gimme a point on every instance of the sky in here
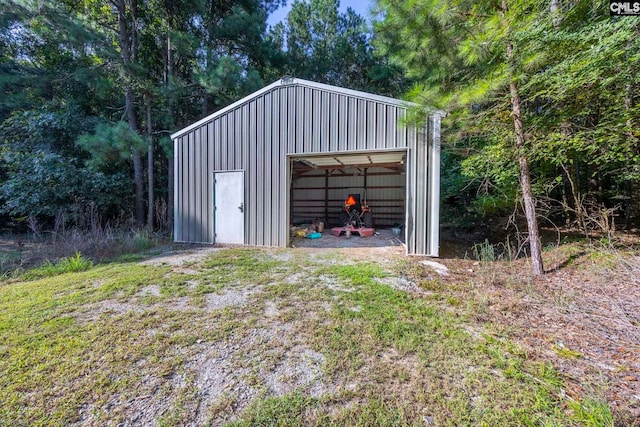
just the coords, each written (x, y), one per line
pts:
(360, 6)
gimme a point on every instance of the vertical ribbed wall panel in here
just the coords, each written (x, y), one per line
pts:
(289, 111)
(182, 194)
(190, 196)
(370, 139)
(230, 141)
(433, 236)
(185, 194)
(265, 177)
(197, 200)
(245, 136)
(421, 190)
(287, 105)
(209, 178)
(252, 169)
(177, 190)
(390, 125)
(410, 233)
(197, 173)
(298, 121)
(200, 183)
(271, 181)
(343, 120)
(334, 124)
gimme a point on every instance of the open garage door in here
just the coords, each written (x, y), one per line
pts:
(320, 184)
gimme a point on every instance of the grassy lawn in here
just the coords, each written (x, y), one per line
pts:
(252, 337)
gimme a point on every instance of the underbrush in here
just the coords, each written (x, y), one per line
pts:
(55, 253)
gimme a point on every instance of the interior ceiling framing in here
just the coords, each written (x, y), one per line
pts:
(391, 160)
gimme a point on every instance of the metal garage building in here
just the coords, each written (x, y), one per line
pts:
(291, 152)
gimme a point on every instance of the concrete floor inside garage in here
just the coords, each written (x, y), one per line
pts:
(382, 238)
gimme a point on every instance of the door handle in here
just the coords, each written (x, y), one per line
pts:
(241, 207)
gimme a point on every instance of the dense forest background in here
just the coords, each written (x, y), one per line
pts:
(541, 99)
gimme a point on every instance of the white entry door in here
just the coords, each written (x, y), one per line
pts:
(228, 206)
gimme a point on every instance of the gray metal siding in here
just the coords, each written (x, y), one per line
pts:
(257, 136)
(433, 232)
(420, 196)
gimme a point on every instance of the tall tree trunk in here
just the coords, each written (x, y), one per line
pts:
(169, 84)
(150, 201)
(523, 163)
(525, 182)
(128, 48)
(138, 174)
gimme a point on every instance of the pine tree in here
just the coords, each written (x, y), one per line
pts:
(468, 56)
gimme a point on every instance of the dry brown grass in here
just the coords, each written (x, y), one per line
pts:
(21, 252)
(583, 315)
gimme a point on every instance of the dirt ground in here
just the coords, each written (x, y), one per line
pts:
(583, 316)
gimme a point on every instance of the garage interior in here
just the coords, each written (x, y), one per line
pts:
(320, 185)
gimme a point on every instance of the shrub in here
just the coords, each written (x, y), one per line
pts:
(70, 264)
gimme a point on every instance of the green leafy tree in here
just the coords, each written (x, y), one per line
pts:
(110, 145)
(47, 185)
(322, 44)
(586, 100)
(551, 88)
(48, 55)
(469, 54)
(64, 62)
(41, 177)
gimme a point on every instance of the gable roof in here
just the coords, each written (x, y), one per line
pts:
(291, 81)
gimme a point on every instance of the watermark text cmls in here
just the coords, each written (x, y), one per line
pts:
(624, 8)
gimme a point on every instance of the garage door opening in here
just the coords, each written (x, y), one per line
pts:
(322, 184)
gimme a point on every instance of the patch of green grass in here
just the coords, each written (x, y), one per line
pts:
(242, 265)
(376, 411)
(409, 267)
(566, 352)
(130, 257)
(432, 285)
(592, 412)
(454, 301)
(282, 411)
(71, 264)
(90, 338)
(280, 290)
(361, 274)
(412, 357)
(602, 257)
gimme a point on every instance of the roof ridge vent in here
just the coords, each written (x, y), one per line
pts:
(287, 80)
